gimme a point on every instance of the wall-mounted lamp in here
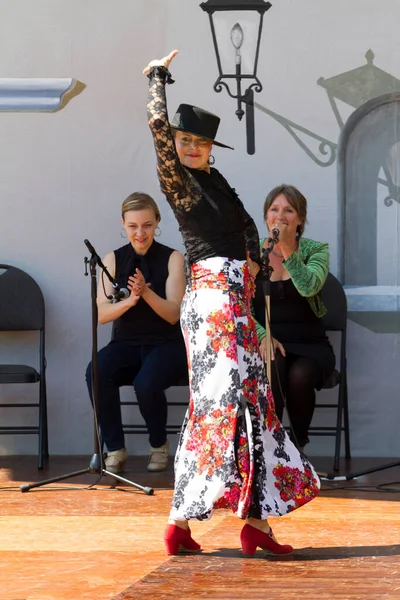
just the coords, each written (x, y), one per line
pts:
(237, 38)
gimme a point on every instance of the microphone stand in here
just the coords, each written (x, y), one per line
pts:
(119, 292)
(266, 271)
(333, 477)
(96, 465)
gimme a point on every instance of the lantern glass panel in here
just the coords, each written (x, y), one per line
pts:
(224, 23)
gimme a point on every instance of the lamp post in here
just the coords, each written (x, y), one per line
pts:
(236, 37)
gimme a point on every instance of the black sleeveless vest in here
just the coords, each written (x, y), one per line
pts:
(141, 324)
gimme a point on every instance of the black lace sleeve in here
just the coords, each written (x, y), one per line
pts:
(251, 232)
(181, 190)
(251, 235)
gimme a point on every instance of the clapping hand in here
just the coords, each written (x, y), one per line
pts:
(160, 62)
(137, 283)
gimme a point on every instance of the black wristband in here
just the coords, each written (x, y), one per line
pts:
(161, 72)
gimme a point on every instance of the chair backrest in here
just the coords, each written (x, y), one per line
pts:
(21, 301)
(335, 301)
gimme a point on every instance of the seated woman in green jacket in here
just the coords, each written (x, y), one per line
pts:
(301, 350)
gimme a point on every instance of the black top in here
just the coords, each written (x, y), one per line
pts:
(215, 226)
(141, 324)
(294, 324)
(212, 219)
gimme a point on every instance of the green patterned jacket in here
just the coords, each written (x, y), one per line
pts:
(308, 269)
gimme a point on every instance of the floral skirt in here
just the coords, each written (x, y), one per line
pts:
(233, 451)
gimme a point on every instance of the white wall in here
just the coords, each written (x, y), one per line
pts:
(63, 176)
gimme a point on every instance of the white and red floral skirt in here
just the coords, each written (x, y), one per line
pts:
(233, 451)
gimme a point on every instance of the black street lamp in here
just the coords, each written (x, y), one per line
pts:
(237, 38)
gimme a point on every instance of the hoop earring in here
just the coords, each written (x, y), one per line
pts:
(211, 160)
(159, 231)
(122, 234)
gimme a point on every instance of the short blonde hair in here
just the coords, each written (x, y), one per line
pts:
(140, 201)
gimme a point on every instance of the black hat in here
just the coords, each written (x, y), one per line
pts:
(197, 121)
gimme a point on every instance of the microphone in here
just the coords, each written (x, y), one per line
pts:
(121, 294)
(275, 233)
(99, 261)
(92, 251)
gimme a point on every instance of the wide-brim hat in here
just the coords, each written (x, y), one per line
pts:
(197, 121)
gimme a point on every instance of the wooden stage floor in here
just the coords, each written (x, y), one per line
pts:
(65, 541)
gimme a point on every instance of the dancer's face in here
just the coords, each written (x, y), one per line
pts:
(193, 151)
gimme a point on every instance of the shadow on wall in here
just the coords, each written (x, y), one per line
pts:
(368, 167)
(368, 199)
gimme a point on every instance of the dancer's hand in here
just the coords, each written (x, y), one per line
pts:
(161, 62)
(253, 266)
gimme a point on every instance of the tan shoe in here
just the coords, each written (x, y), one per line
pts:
(116, 460)
(158, 459)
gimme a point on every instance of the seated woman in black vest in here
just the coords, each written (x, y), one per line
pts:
(147, 347)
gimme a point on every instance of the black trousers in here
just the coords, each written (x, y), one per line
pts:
(151, 370)
(293, 381)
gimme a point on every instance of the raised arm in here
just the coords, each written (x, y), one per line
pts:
(181, 192)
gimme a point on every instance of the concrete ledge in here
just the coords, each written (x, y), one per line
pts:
(379, 298)
(34, 94)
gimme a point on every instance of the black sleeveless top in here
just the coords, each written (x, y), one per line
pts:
(140, 324)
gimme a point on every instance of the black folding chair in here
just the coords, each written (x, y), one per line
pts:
(336, 320)
(22, 309)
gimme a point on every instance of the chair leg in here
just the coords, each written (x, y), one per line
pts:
(346, 420)
(338, 437)
(43, 450)
(46, 431)
(41, 415)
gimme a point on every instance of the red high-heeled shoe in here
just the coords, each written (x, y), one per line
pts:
(177, 539)
(250, 538)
